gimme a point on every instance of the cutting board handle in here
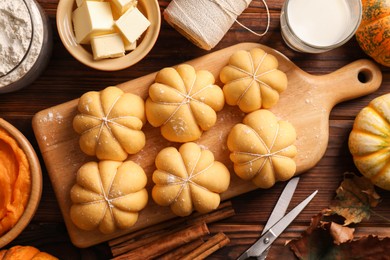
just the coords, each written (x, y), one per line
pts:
(356, 79)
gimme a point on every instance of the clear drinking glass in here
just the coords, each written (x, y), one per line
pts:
(315, 26)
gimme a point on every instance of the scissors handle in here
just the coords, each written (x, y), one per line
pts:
(267, 240)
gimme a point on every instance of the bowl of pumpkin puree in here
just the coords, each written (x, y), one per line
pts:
(20, 182)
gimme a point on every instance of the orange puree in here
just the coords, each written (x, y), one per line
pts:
(15, 182)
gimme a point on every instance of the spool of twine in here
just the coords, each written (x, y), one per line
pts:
(205, 22)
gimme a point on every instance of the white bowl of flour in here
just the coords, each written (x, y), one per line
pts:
(25, 43)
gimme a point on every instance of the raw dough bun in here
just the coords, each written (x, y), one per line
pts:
(183, 102)
(108, 195)
(110, 123)
(189, 179)
(252, 80)
(25, 253)
(262, 149)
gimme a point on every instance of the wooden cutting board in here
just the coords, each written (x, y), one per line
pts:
(306, 104)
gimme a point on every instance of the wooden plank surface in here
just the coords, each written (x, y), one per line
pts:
(66, 79)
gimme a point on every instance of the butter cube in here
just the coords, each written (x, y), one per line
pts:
(116, 13)
(90, 19)
(107, 46)
(123, 5)
(132, 24)
(129, 46)
(80, 2)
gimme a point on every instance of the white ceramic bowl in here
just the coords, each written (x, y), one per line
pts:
(150, 8)
(36, 183)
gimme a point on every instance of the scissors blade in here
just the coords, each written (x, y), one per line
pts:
(280, 208)
(278, 211)
(269, 237)
(282, 204)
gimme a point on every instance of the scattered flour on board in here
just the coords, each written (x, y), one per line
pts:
(52, 116)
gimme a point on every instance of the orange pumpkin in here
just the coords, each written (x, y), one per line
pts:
(373, 34)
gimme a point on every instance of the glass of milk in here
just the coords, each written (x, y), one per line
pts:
(315, 26)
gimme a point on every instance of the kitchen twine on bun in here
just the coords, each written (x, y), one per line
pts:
(205, 22)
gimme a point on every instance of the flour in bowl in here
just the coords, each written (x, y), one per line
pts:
(16, 34)
(25, 43)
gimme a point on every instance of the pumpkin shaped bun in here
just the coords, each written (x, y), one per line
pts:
(262, 149)
(369, 141)
(110, 123)
(108, 195)
(25, 253)
(183, 103)
(189, 179)
(252, 80)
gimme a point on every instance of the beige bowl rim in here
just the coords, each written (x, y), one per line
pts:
(65, 31)
(36, 183)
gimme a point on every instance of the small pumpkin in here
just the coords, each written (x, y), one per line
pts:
(369, 141)
(373, 34)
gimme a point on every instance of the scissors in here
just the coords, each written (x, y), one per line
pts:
(277, 222)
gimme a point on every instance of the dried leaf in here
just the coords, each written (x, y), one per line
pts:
(340, 234)
(313, 242)
(367, 248)
(355, 198)
(326, 241)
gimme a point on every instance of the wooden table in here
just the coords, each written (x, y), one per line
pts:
(66, 79)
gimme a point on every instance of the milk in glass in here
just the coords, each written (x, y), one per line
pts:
(317, 25)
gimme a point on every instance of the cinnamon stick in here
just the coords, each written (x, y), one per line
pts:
(213, 216)
(128, 238)
(164, 245)
(135, 243)
(207, 248)
(224, 210)
(213, 249)
(178, 253)
(142, 237)
(235, 228)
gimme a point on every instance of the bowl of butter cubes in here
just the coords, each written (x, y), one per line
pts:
(108, 35)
